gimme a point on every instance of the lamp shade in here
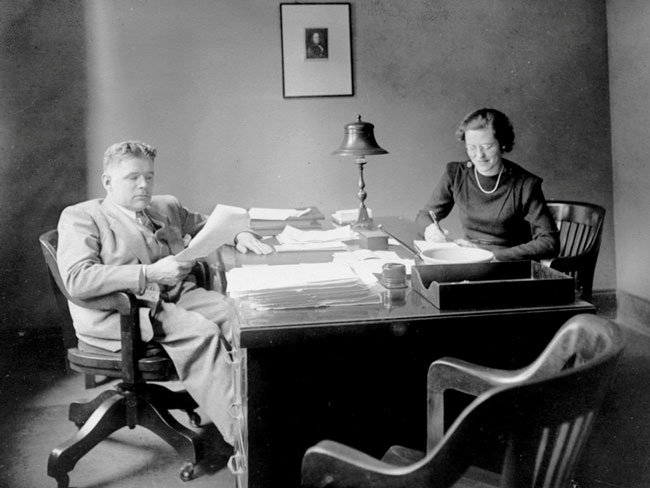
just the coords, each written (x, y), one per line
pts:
(359, 140)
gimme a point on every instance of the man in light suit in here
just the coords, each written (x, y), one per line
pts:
(104, 248)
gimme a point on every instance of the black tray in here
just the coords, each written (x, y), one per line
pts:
(492, 285)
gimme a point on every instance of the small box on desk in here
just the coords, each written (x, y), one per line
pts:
(375, 240)
(492, 285)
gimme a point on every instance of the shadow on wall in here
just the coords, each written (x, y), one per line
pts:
(43, 104)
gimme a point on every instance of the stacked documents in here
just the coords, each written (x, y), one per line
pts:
(292, 286)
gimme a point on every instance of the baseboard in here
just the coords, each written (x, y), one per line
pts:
(633, 309)
(606, 303)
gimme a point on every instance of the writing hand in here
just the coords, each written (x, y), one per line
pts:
(168, 271)
(248, 242)
(435, 233)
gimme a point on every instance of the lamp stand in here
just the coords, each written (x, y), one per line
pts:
(363, 221)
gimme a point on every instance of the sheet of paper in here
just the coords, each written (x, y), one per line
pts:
(309, 246)
(292, 235)
(276, 213)
(363, 254)
(422, 245)
(222, 225)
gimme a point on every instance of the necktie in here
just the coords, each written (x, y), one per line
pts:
(144, 220)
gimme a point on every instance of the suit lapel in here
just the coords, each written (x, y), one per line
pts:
(127, 230)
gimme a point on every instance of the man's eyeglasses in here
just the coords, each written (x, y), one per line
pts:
(485, 148)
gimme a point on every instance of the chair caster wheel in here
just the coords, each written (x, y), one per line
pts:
(195, 419)
(187, 472)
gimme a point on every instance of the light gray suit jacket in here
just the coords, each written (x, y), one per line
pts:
(101, 250)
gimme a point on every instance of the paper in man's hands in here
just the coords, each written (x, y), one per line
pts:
(221, 227)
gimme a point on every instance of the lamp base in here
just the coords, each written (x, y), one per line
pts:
(364, 221)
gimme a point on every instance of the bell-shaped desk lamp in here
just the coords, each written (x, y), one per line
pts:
(359, 141)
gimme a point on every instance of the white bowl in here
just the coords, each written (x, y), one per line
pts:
(449, 255)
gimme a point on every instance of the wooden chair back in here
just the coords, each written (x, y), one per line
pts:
(543, 422)
(580, 225)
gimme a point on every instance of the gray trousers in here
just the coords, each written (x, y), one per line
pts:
(192, 328)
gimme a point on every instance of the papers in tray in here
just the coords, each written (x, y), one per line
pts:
(294, 286)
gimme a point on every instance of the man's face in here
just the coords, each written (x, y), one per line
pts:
(315, 38)
(129, 183)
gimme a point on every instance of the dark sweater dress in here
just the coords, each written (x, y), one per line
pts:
(514, 222)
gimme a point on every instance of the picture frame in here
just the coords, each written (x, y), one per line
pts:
(316, 50)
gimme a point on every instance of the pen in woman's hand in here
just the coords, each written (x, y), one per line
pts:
(435, 222)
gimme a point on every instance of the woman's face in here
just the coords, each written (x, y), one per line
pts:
(484, 151)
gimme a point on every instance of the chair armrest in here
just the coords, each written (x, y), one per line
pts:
(570, 263)
(456, 374)
(118, 301)
(340, 465)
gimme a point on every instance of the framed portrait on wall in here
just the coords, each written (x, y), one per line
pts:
(316, 50)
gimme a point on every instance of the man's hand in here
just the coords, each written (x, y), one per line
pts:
(435, 233)
(248, 242)
(168, 271)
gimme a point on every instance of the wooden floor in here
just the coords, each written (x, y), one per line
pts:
(35, 391)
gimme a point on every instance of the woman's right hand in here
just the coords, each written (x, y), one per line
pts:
(435, 233)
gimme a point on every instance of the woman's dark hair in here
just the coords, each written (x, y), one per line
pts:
(489, 118)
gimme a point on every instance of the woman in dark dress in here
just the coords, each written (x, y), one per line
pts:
(502, 206)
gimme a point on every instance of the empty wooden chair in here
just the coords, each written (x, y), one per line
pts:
(539, 416)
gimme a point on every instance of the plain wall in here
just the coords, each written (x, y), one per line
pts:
(629, 47)
(42, 146)
(202, 80)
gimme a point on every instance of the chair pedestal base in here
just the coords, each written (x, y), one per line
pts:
(146, 405)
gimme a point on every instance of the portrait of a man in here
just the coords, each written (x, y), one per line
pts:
(316, 43)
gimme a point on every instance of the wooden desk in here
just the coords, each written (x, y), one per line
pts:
(358, 374)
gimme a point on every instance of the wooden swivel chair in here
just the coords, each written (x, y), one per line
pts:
(133, 401)
(539, 416)
(581, 226)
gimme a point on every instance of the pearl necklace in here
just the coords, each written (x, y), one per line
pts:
(495, 186)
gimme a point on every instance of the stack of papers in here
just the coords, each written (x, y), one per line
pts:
(293, 286)
(292, 239)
